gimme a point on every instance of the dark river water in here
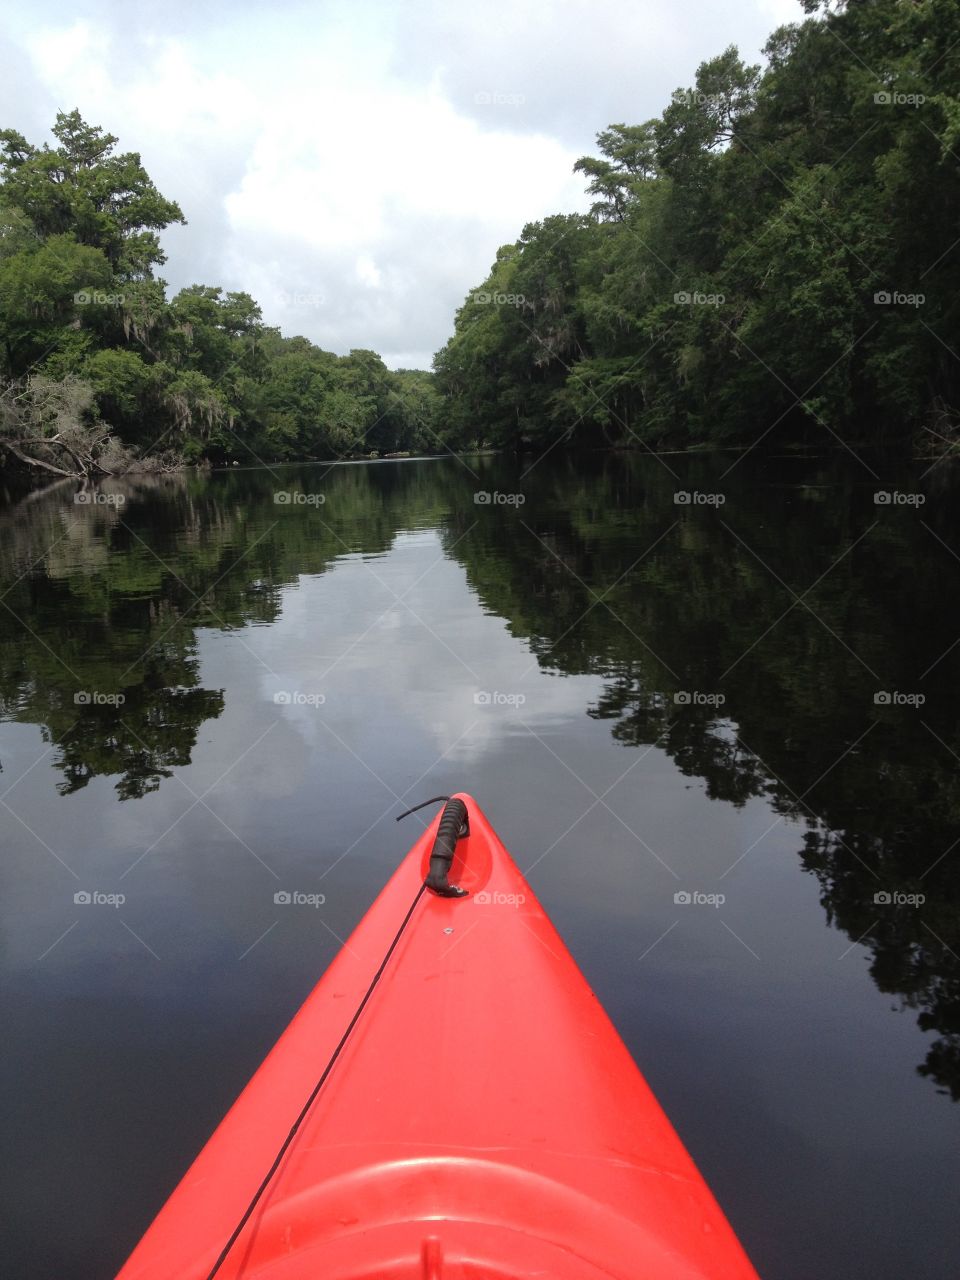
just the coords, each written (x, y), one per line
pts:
(721, 739)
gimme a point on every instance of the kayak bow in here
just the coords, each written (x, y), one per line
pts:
(451, 1102)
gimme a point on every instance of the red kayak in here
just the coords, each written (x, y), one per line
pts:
(450, 1103)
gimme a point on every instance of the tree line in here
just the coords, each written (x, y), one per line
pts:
(100, 371)
(775, 257)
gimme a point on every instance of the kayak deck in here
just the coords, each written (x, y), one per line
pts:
(483, 1119)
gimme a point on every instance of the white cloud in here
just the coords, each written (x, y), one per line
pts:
(781, 12)
(431, 677)
(58, 51)
(355, 168)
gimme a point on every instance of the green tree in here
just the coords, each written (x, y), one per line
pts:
(80, 187)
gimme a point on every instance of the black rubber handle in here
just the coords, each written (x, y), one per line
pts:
(453, 824)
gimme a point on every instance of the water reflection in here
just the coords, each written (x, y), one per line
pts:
(818, 621)
(770, 645)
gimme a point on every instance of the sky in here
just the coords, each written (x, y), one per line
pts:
(355, 165)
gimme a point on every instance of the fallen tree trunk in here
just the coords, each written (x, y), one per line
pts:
(48, 424)
(17, 452)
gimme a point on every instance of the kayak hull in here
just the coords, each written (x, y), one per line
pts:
(483, 1119)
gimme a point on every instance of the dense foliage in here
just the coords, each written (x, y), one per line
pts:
(98, 366)
(777, 253)
(774, 258)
